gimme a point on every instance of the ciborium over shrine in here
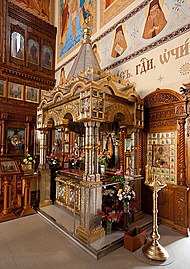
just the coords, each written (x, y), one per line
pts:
(153, 249)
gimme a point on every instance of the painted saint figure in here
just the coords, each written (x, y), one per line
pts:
(17, 46)
(47, 57)
(85, 9)
(155, 21)
(65, 21)
(95, 49)
(62, 76)
(74, 9)
(33, 51)
(120, 44)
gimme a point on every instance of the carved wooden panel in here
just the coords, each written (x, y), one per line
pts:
(166, 203)
(161, 98)
(166, 113)
(16, 24)
(181, 203)
(13, 19)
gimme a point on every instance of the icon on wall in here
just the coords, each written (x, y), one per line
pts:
(2, 88)
(32, 94)
(17, 46)
(15, 91)
(47, 57)
(15, 141)
(33, 51)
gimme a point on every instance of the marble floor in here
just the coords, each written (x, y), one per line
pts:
(70, 223)
(31, 242)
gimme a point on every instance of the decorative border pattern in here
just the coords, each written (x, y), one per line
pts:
(137, 53)
(153, 45)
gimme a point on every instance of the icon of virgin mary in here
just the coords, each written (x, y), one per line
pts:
(155, 21)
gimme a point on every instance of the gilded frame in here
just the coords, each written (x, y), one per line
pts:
(15, 91)
(2, 88)
(32, 94)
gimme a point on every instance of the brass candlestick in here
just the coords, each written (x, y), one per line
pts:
(153, 250)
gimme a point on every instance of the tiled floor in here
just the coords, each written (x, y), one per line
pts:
(32, 243)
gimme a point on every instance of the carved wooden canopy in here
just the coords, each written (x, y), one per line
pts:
(85, 100)
(91, 94)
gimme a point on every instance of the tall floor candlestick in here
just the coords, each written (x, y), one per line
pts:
(153, 249)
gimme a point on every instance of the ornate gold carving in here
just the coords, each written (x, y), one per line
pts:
(180, 110)
(73, 109)
(161, 124)
(121, 149)
(156, 98)
(112, 110)
(163, 114)
(89, 236)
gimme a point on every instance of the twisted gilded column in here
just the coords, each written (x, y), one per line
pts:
(181, 155)
(140, 151)
(121, 149)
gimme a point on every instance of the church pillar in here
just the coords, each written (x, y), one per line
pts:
(90, 228)
(42, 148)
(44, 172)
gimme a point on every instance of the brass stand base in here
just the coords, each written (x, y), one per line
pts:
(154, 251)
(89, 236)
(8, 216)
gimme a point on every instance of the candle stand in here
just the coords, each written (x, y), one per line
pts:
(153, 249)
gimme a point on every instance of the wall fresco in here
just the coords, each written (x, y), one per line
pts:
(143, 33)
(111, 8)
(39, 8)
(153, 57)
(72, 15)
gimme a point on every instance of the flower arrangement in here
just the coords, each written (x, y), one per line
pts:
(109, 215)
(104, 158)
(28, 159)
(54, 162)
(127, 196)
(118, 177)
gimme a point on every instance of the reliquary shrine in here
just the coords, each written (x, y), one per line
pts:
(90, 113)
